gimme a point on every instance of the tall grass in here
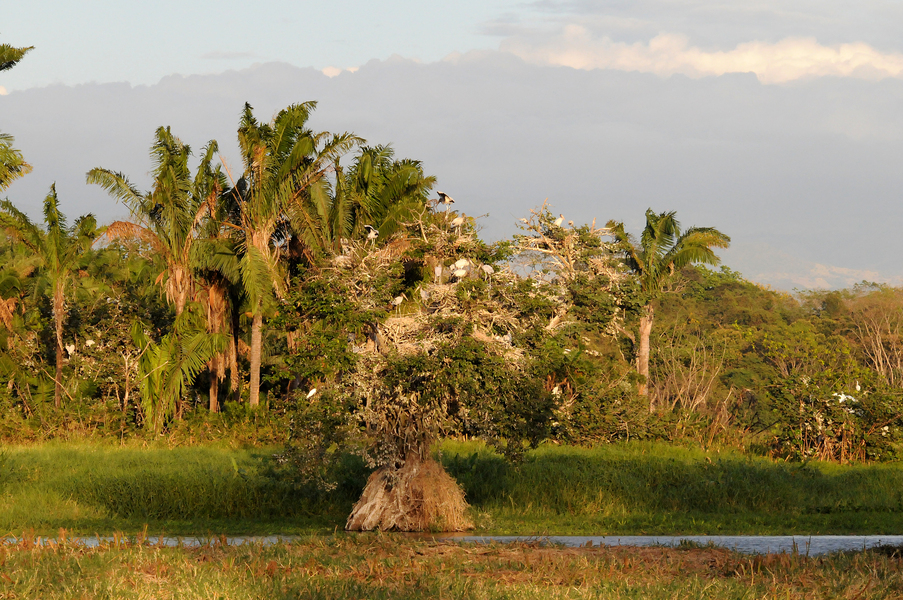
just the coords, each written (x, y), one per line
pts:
(90, 487)
(614, 489)
(657, 488)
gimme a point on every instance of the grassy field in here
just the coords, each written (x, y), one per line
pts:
(617, 489)
(386, 566)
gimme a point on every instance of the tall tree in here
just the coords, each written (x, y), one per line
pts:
(12, 165)
(167, 219)
(59, 250)
(662, 250)
(283, 160)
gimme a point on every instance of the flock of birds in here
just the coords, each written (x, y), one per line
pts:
(461, 268)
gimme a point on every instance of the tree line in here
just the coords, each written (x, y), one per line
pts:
(324, 287)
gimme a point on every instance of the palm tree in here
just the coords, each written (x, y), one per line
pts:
(283, 160)
(12, 165)
(59, 250)
(10, 55)
(663, 249)
(169, 367)
(378, 191)
(168, 218)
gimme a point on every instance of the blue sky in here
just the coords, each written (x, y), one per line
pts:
(778, 121)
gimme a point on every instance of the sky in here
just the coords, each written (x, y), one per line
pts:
(779, 122)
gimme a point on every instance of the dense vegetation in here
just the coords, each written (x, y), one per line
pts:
(321, 301)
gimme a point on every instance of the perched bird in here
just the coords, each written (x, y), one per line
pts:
(311, 393)
(445, 199)
(487, 269)
(460, 273)
(372, 232)
(559, 220)
(457, 222)
(462, 263)
(70, 348)
(570, 223)
(437, 271)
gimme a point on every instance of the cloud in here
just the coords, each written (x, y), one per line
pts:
(3, 91)
(811, 169)
(336, 71)
(221, 55)
(668, 54)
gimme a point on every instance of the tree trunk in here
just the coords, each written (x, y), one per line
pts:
(234, 379)
(256, 348)
(214, 388)
(642, 357)
(58, 307)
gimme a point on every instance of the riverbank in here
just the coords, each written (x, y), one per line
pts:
(391, 566)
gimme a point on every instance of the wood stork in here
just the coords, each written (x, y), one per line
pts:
(311, 393)
(372, 232)
(559, 220)
(445, 199)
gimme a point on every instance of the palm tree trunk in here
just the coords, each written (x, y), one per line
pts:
(234, 379)
(58, 307)
(214, 385)
(642, 357)
(256, 347)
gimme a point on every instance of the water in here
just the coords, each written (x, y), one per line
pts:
(748, 544)
(809, 545)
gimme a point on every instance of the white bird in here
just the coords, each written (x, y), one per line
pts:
(445, 199)
(397, 300)
(437, 271)
(373, 232)
(458, 221)
(570, 223)
(70, 348)
(311, 393)
(559, 220)
(460, 273)
(89, 343)
(487, 269)
(462, 263)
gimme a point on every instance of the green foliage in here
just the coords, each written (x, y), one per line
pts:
(167, 368)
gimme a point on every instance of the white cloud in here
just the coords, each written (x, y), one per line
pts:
(667, 54)
(336, 71)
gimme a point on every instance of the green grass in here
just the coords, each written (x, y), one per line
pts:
(636, 488)
(649, 488)
(182, 491)
(394, 567)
